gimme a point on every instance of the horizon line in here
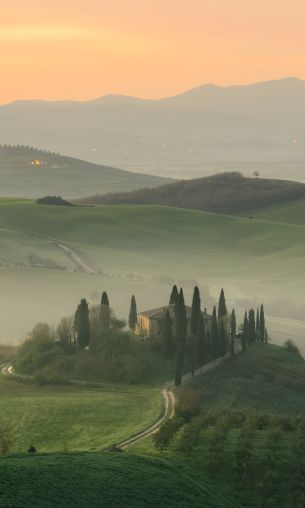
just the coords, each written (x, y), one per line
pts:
(145, 99)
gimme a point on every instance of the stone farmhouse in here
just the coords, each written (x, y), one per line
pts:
(150, 322)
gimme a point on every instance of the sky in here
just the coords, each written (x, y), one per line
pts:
(83, 49)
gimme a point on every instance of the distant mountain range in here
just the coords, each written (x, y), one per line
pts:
(31, 173)
(226, 193)
(203, 131)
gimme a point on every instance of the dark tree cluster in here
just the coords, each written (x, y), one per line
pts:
(220, 193)
(254, 328)
(200, 341)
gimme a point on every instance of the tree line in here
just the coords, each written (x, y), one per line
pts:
(206, 343)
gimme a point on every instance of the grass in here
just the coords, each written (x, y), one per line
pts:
(134, 248)
(75, 419)
(106, 480)
(289, 213)
(266, 377)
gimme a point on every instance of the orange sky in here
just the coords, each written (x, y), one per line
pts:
(82, 49)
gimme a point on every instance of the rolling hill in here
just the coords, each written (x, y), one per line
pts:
(207, 130)
(249, 436)
(31, 173)
(267, 378)
(292, 212)
(110, 480)
(227, 193)
(75, 419)
(143, 250)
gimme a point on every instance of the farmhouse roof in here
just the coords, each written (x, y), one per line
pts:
(160, 311)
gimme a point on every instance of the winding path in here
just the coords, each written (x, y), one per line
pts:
(170, 403)
(73, 255)
(167, 393)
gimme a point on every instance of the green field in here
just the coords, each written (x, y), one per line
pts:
(106, 480)
(75, 419)
(136, 248)
(288, 213)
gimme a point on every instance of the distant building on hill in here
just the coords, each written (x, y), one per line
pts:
(150, 321)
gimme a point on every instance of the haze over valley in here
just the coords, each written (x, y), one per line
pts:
(207, 130)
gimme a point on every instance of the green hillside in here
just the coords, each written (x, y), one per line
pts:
(227, 193)
(249, 436)
(266, 378)
(292, 212)
(132, 248)
(31, 173)
(70, 419)
(108, 480)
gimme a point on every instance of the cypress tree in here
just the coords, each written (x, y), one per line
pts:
(195, 318)
(257, 325)
(245, 336)
(196, 311)
(222, 307)
(233, 333)
(252, 331)
(180, 319)
(201, 344)
(180, 328)
(178, 371)
(174, 296)
(168, 346)
(82, 324)
(105, 312)
(262, 324)
(209, 345)
(133, 315)
(214, 335)
(222, 339)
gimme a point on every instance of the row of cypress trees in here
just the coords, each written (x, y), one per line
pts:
(254, 328)
(204, 343)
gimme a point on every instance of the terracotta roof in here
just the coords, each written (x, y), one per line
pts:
(160, 311)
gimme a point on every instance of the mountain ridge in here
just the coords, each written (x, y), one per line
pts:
(130, 98)
(200, 132)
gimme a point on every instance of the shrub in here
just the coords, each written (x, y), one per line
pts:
(167, 431)
(291, 347)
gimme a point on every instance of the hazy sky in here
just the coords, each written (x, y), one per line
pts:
(79, 49)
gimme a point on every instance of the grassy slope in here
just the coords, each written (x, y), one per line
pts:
(290, 213)
(66, 176)
(108, 480)
(266, 378)
(255, 260)
(74, 419)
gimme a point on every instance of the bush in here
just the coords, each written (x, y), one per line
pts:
(188, 404)
(38, 350)
(291, 347)
(167, 431)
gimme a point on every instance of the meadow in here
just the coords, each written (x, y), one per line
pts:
(110, 480)
(132, 248)
(67, 418)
